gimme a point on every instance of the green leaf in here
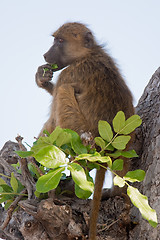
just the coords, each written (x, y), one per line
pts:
(105, 130)
(116, 154)
(54, 66)
(2, 182)
(129, 154)
(24, 154)
(79, 177)
(118, 181)
(120, 142)
(4, 198)
(68, 149)
(106, 159)
(54, 135)
(5, 191)
(90, 157)
(37, 194)
(63, 138)
(80, 193)
(33, 170)
(93, 165)
(8, 203)
(131, 124)
(126, 154)
(45, 69)
(51, 157)
(117, 165)
(14, 183)
(20, 187)
(119, 121)
(78, 147)
(100, 142)
(73, 133)
(96, 157)
(42, 142)
(76, 142)
(135, 176)
(6, 188)
(46, 132)
(49, 181)
(141, 202)
(109, 147)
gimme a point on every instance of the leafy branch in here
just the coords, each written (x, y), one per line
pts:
(63, 150)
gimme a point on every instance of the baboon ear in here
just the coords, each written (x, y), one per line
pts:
(88, 40)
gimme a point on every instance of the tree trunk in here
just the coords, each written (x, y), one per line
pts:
(67, 218)
(149, 156)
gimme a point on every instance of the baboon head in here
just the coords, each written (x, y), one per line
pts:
(71, 42)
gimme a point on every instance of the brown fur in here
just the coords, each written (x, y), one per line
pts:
(90, 89)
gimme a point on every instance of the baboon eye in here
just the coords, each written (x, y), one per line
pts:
(60, 40)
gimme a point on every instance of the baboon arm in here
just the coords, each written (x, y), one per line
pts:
(68, 112)
(48, 86)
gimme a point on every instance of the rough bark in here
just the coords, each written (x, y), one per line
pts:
(67, 218)
(149, 156)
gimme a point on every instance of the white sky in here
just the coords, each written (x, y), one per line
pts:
(130, 29)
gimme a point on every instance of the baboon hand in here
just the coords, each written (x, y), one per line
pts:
(44, 75)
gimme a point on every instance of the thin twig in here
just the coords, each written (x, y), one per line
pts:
(28, 179)
(11, 209)
(19, 140)
(108, 226)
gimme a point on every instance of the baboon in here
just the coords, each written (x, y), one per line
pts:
(89, 89)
